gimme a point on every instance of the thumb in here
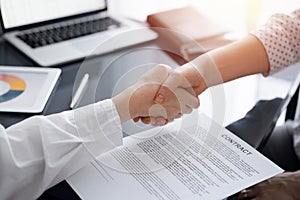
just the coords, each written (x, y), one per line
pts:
(167, 89)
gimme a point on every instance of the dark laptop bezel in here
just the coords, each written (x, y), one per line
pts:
(39, 24)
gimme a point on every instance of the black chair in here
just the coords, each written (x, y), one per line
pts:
(292, 106)
(258, 124)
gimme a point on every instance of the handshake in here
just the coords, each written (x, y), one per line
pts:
(161, 95)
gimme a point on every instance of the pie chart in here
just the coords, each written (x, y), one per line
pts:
(10, 87)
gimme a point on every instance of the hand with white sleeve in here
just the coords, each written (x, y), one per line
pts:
(137, 101)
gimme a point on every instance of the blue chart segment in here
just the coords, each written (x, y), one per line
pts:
(11, 94)
(16, 87)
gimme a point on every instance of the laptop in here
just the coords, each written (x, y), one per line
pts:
(52, 32)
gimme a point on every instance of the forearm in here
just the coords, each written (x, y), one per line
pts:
(269, 48)
(241, 58)
(45, 150)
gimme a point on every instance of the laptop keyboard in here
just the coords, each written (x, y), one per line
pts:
(55, 34)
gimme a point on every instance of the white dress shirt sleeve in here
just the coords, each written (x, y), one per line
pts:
(41, 151)
(281, 39)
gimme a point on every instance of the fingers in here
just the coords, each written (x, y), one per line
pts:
(178, 115)
(136, 119)
(155, 121)
(174, 81)
(180, 102)
(186, 110)
(158, 74)
(158, 121)
(140, 96)
(146, 120)
(175, 95)
(250, 193)
(185, 98)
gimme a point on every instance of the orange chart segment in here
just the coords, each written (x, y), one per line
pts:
(15, 82)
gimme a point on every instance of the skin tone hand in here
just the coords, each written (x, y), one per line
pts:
(183, 78)
(283, 186)
(137, 100)
(241, 58)
(177, 84)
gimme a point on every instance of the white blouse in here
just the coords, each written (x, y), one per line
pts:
(41, 151)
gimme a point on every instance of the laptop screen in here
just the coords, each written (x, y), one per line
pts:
(25, 12)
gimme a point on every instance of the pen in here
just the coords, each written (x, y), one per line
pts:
(80, 90)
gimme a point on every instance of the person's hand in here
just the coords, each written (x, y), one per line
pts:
(186, 77)
(137, 101)
(194, 77)
(283, 186)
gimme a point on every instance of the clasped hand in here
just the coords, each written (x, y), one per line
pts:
(163, 94)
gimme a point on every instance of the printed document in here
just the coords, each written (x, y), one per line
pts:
(195, 161)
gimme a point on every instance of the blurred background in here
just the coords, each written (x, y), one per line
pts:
(240, 15)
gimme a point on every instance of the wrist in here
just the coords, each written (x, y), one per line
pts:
(122, 103)
(208, 70)
(196, 72)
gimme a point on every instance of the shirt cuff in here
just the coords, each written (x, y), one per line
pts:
(99, 126)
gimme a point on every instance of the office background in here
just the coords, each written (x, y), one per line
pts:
(241, 16)
(241, 94)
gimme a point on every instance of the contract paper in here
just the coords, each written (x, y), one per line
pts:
(194, 161)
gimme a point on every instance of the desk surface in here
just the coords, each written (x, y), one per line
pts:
(105, 71)
(110, 74)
